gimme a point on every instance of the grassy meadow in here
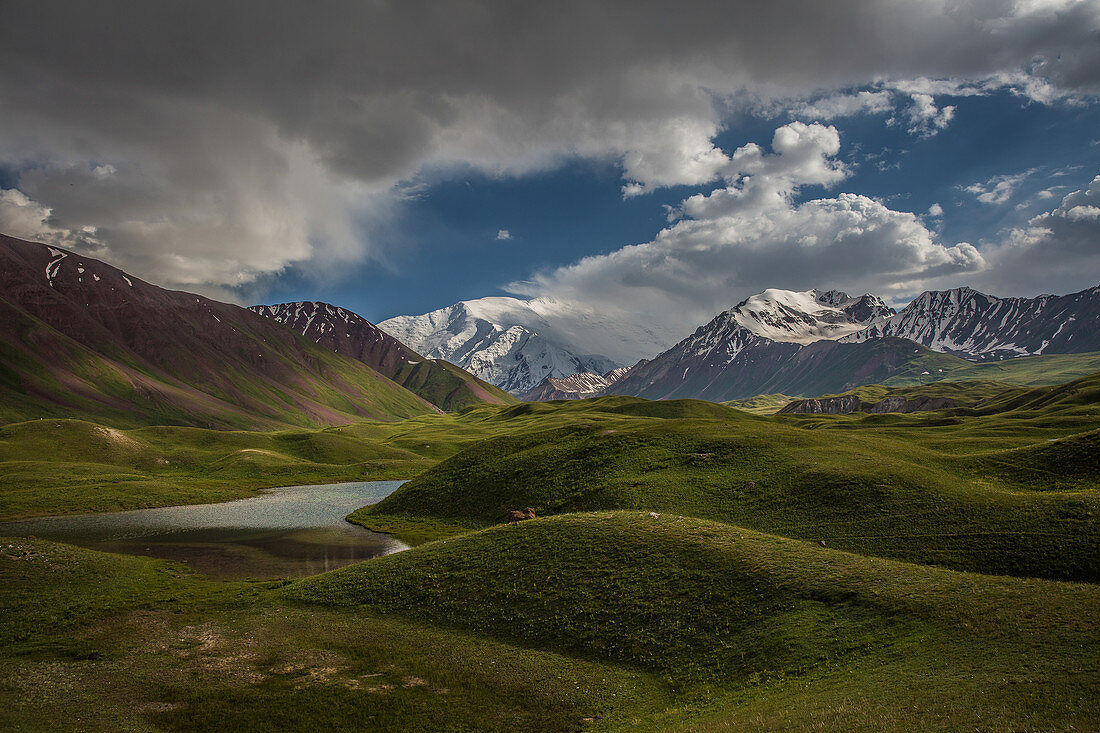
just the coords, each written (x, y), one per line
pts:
(693, 567)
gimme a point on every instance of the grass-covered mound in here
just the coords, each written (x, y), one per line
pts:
(91, 641)
(55, 466)
(1045, 369)
(764, 404)
(879, 492)
(717, 608)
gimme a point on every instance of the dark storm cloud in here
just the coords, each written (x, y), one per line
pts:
(247, 136)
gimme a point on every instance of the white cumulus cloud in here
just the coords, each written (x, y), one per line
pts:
(999, 189)
(845, 105)
(751, 234)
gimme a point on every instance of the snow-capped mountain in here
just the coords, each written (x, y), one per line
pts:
(981, 327)
(575, 387)
(782, 316)
(348, 333)
(803, 317)
(508, 342)
(756, 336)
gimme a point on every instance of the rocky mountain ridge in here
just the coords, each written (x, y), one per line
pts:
(742, 349)
(847, 404)
(346, 332)
(803, 342)
(575, 387)
(980, 327)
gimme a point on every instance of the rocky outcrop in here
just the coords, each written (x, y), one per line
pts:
(575, 387)
(847, 404)
(898, 403)
(842, 405)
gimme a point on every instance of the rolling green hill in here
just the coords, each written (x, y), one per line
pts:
(1032, 371)
(737, 620)
(802, 572)
(63, 466)
(975, 493)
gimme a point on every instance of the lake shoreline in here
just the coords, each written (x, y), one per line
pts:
(286, 531)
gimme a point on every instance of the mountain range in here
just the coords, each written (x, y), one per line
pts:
(575, 387)
(981, 327)
(813, 342)
(80, 338)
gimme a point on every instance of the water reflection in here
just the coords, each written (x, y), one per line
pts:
(286, 532)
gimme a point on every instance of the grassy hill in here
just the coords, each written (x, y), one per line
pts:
(605, 621)
(449, 386)
(980, 493)
(743, 618)
(916, 398)
(764, 404)
(62, 466)
(1043, 370)
(91, 641)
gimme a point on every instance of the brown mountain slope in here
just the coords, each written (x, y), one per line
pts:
(81, 338)
(345, 332)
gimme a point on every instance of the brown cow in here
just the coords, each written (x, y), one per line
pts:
(515, 516)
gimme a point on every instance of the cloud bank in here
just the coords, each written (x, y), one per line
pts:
(209, 145)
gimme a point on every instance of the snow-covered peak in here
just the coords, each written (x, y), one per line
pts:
(574, 387)
(511, 343)
(807, 316)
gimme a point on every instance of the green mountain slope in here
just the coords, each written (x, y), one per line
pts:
(449, 386)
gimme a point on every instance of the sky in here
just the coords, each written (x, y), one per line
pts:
(652, 162)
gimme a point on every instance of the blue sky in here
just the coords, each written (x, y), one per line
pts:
(652, 163)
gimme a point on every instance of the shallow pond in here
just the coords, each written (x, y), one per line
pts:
(285, 532)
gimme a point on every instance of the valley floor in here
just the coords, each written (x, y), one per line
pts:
(692, 568)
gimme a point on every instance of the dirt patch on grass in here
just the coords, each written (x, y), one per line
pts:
(116, 438)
